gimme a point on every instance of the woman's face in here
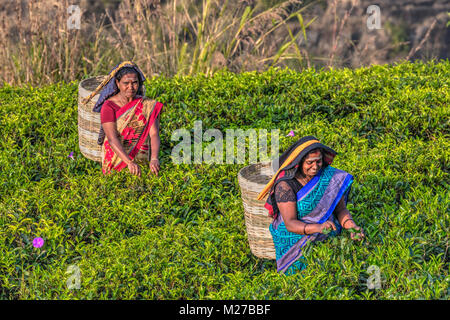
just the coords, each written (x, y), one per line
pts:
(128, 85)
(312, 163)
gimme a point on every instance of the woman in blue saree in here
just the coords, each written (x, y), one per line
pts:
(307, 200)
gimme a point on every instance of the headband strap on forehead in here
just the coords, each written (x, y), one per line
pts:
(107, 79)
(288, 161)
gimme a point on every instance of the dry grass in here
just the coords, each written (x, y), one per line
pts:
(183, 38)
(40, 48)
(179, 37)
(175, 37)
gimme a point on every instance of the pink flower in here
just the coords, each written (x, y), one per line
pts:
(291, 134)
(71, 155)
(38, 242)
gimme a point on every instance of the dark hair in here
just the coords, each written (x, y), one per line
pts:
(125, 71)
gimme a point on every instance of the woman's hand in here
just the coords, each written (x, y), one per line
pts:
(154, 166)
(356, 233)
(326, 227)
(134, 168)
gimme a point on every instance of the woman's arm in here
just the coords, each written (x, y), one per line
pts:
(154, 139)
(155, 142)
(343, 215)
(111, 133)
(345, 218)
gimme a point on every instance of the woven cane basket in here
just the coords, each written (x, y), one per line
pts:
(252, 179)
(89, 121)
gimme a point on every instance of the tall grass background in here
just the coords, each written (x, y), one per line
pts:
(180, 37)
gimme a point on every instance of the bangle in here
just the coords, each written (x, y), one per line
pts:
(154, 159)
(304, 228)
(343, 224)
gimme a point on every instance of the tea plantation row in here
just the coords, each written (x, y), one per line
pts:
(182, 235)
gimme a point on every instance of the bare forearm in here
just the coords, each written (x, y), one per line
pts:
(345, 219)
(155, 144)
(118, 149)
(299, 227)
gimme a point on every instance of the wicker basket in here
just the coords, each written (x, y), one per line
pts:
(89, 121)
(252, 179)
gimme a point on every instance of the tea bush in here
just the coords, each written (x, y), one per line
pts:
(182, 235)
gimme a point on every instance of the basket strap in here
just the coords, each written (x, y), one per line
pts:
(106, 80)
(291, 158)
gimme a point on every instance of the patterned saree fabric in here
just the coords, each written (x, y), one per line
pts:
(316, 202)
(134, 121)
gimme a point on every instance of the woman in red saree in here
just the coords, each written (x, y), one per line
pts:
(129, 132)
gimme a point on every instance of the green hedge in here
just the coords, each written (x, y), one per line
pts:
(182, 234)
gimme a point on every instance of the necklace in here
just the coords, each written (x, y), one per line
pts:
(121, 100)
(302, 181)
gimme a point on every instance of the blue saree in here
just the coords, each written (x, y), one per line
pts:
(316, 202)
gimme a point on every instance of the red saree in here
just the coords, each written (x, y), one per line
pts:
(133, 124)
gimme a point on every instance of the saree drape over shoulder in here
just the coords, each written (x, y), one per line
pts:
(316, 202)
(134, 121)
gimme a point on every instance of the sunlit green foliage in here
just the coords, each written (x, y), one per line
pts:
(182, 234)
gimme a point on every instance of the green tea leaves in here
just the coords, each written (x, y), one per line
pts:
(182, 235)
